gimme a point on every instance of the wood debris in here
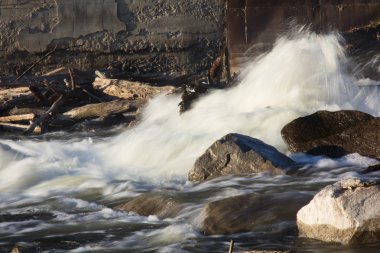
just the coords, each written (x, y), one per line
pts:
(65, 97)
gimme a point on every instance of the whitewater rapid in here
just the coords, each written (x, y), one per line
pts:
(302, 74)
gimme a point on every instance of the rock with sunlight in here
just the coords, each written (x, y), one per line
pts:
(347, 212)
(238, 154)
(152, 204)
(334, 134)
(252, 212)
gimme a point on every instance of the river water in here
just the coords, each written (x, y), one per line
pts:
(58, 192)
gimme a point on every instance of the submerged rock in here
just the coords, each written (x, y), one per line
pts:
(334, 134)
(238, 154)
(152, 204)
(250, 212)
(347, 212)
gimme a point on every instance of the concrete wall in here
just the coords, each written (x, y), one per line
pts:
(148, 36)
(157, 36)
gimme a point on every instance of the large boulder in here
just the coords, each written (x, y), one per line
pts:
(250, 212)
(152, 204)
(238, 154)
(347, 212)
(334, 134)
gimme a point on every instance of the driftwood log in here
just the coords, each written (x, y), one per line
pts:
(17, 118)
(18, 128)
(100, 110)
(130, 90)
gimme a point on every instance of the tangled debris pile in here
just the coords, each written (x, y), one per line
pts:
(68, 99)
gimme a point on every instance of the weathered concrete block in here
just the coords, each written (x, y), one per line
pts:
(144, 36)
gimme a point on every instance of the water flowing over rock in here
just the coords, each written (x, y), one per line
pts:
(152, 204)
(334, 134)
(238, 154)
(347, 212)
(250, 212)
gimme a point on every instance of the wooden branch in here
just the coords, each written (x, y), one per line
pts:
(36, 63)
(55, 72)
(100, 110)
(16, 118)
(72, 83)
(43, 58)
(18, 111)
(19, 127)
(23, 99)
(231, 246)
(92, 95)
(41, 120)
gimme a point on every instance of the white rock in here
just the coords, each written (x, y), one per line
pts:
(347, 212)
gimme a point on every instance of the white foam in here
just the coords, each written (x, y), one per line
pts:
(302, 74)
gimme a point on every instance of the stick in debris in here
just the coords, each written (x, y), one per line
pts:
(72, 82)
(92, 95)
(19, 127)
(36, 63)
(41, 120)
(43, 58)
(100, 110)
(16, 118)
(55, 71)
(231, 246)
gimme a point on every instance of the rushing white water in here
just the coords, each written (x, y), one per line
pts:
(301, 75)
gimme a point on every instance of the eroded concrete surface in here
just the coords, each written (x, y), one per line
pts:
(161, 36)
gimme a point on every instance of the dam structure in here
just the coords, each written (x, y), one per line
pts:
(167, 38)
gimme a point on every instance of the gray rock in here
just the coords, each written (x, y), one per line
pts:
(334, 134)
(238, 154)
(250, 212)
(347, 212)
(152, 204)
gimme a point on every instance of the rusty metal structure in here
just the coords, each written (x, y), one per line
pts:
(253, 25)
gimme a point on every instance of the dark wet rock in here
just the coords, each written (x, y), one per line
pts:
(152, 204)
(347, 212)
(241, 155)
(372, 168)
(250, 212)
(334, 134)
